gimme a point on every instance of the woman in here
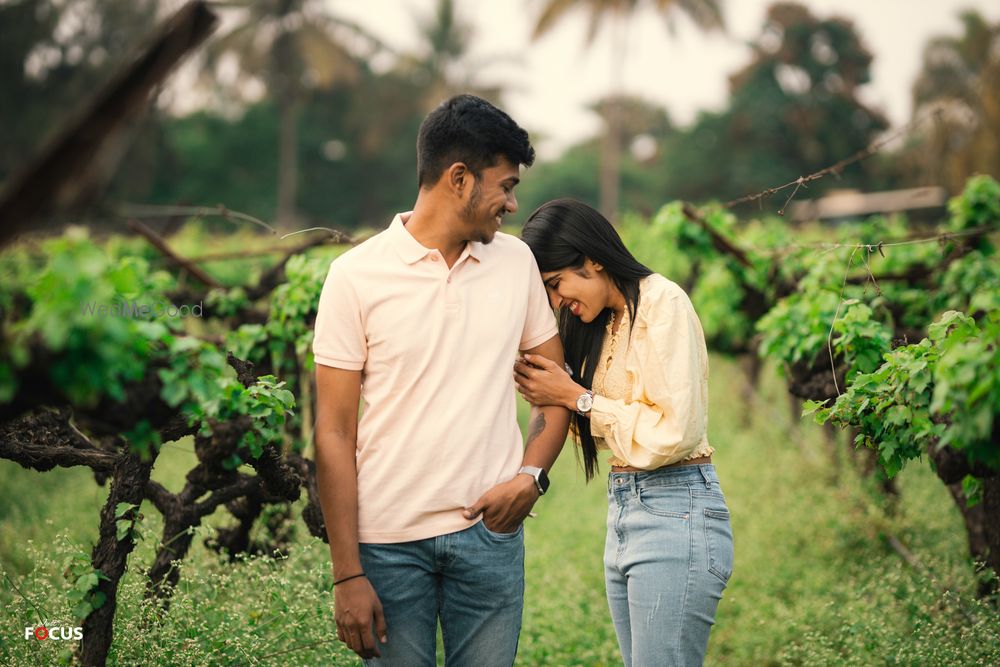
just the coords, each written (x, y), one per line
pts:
(639, 388)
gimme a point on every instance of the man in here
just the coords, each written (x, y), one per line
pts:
(424, 498)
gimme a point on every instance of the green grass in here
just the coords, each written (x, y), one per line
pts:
(814, 581)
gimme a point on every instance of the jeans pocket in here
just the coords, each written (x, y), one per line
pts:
(501, 537)
(668, 501)
(719, 542)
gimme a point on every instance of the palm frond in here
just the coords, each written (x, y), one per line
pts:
(551, 14)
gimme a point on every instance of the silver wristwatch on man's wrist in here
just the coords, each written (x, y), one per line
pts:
(584, 403)
(540, 476)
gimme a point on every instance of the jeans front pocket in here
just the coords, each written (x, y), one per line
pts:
(672, 501)
(501, 537)
(719, 542)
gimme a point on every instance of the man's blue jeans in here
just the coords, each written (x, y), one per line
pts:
(667, 559)
(473, 580)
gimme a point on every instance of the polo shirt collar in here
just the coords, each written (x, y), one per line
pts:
(410, 249)
(475, 250)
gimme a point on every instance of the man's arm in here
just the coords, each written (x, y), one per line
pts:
(505, 505)
(547, 425)
(356, 606)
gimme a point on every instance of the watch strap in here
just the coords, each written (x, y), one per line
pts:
(536, 473)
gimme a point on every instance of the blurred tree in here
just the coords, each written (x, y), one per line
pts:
(573, 174)
(442, 67)
(645, 129)
(377, 133)
(960, 79)
(356, 157)
(293, 47)
(642, 125)
(215, 159)
(439, 68)
(53, 53)
(209, 159)
(792, 111)
(705, 13)
(363, 167)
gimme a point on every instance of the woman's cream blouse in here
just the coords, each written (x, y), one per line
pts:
(651, 382)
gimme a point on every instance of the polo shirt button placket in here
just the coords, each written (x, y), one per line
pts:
(451, 298)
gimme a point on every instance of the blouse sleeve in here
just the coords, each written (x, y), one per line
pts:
(669, 420)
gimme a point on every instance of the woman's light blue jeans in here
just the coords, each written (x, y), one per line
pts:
(473, 580)
(667, 558)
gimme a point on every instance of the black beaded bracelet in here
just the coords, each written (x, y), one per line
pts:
(353, 576)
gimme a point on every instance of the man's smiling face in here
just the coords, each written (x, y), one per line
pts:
(491, 198)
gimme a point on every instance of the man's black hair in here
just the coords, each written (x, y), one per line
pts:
(468, 129)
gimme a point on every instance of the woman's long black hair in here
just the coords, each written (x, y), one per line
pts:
(563, 234)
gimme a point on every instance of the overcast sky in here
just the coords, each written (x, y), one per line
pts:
(555, 78)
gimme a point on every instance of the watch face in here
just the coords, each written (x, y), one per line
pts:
(543, 481)
(584, 403)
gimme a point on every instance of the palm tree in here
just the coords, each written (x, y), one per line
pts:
(442, 65)
(381, 115)
(438, 68)
(292, 46)
(706, 14)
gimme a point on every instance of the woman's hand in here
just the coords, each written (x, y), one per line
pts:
(543, 382)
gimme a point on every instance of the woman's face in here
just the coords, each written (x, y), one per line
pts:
(586, 290)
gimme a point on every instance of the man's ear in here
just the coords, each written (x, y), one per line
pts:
(458, 177)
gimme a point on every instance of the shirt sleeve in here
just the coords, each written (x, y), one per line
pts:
(669, 420)
(540, 323)
(339, 336)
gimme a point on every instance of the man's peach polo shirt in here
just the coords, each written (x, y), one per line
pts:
(436, 347)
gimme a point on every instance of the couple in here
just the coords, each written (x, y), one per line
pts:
(424, 496)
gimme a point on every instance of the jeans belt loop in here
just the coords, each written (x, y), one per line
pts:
(704, 473)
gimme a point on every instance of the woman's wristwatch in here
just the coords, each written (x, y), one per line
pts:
(584, 403)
